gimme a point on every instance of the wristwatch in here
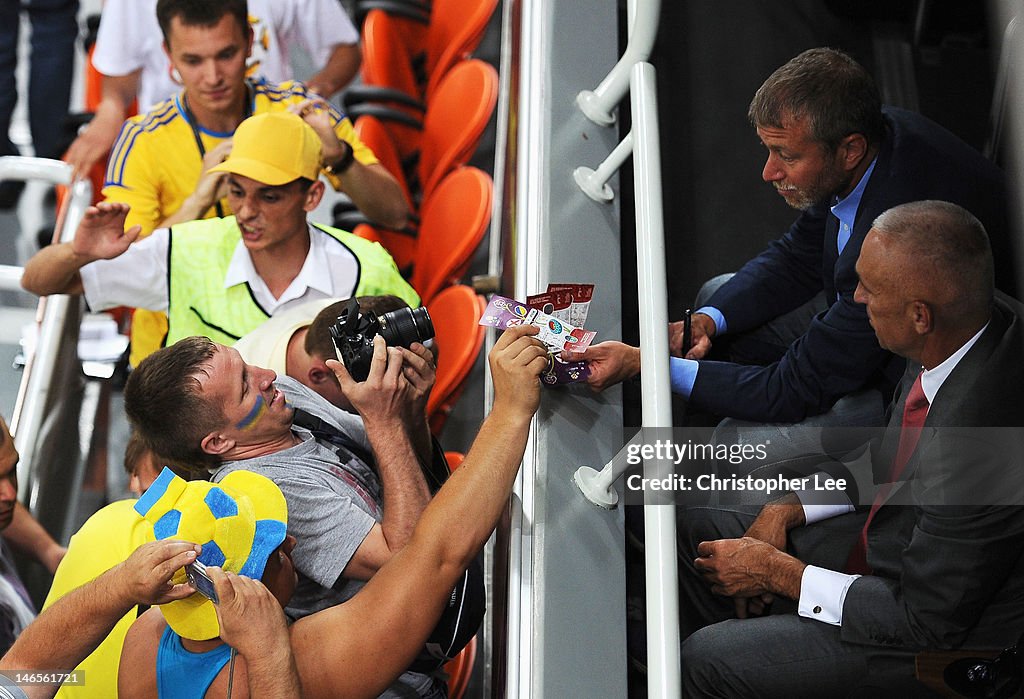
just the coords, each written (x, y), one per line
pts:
(342, 164)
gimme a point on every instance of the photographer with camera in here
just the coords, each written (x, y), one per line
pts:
(223, 277)
(354, 483)
(299, 342)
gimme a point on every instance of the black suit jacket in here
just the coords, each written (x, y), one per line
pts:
(839, 352)
(947, 549)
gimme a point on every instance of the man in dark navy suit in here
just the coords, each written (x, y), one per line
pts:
(841, 159)
(939, 562)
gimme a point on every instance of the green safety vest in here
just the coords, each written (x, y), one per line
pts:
(198, 258)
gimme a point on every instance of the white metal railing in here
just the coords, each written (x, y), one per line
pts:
(36, 382)
(661, 565)
(663, 642)
(663, 667)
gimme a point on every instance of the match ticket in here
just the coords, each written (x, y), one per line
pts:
(503, 312)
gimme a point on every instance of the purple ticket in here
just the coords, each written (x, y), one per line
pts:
(559, 372)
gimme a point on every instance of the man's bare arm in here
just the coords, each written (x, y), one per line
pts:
(100, 236)
(209, 189)
(100, 133)
(28, 536)
(376, 634)
(420, 370)
(338, 72)
(371, 188)
(63, 635)
(376, 193)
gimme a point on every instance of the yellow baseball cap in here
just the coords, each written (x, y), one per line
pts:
(239, 522)
(274, 148)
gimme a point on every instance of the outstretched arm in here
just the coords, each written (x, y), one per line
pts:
(610, 363)
(63, 635)
(100, 236)
(377, 633)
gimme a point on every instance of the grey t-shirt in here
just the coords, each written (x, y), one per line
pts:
(334, 499)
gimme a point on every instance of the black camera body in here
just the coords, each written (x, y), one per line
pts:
(353, 334)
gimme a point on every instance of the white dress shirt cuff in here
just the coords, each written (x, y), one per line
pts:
(822, 594)
(823, 504)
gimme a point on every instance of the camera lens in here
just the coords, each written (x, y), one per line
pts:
(404, 326)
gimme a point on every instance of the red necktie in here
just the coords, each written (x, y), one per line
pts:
(914, 413)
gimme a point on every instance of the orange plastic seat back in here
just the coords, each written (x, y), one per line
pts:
(376, 137)
(454, 459)
(390, 49)
(455, 121)
(456, 313)
(452, 223)
(401, 247)
(456, 28)
(460, 669)
(367, 232)
(390, 46)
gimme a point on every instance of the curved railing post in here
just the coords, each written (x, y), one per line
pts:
(599, 104)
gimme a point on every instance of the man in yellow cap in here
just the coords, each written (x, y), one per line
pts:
(161, 164)
(222, 277)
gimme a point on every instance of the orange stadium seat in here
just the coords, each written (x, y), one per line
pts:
(456, 29)
(456, 313)
(455, 120)
(460, 669)
(453, 222)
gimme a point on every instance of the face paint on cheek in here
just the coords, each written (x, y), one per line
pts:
(254, 415)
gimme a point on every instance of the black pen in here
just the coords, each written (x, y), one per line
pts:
(687, 331)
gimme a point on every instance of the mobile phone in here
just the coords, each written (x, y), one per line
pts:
(199, 580)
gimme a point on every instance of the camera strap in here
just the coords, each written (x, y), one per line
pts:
(436, 473)
(327, 432)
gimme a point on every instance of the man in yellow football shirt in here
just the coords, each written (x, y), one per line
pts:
(223, 277)
(160, 164)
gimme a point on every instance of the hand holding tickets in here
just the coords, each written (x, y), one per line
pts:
(551, 313)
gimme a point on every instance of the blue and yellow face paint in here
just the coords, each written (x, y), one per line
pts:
(258, 409)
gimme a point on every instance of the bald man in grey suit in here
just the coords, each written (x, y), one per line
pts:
(944, 565)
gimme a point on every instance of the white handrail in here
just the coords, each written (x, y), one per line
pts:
(598, 103)
(34, 392)
(663, 666)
